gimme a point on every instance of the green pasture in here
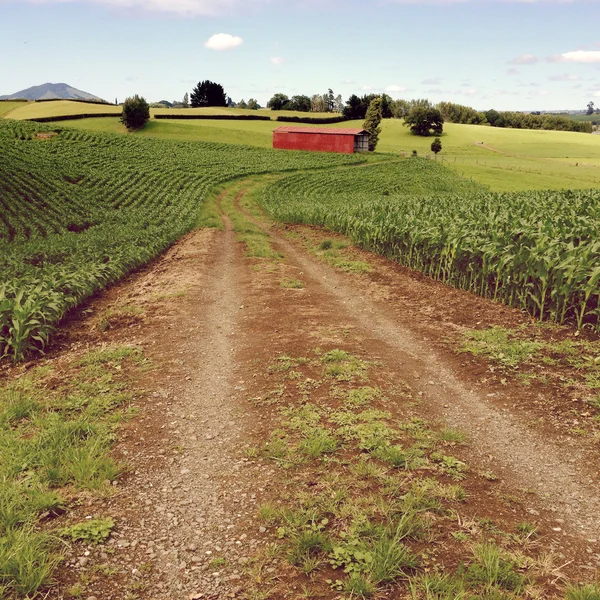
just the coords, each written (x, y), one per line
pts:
(507, 159)
(501, 159)
(60, 108)
(6, 107)
(245, 133)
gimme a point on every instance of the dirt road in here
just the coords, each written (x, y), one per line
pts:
(214, 323)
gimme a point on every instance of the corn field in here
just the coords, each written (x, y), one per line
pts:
(80, 210)
(538, 251)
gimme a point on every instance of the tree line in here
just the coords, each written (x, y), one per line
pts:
(423, 117)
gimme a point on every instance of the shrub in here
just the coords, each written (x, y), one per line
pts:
(136, 112)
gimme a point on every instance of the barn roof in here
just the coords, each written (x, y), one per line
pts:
(329, 130)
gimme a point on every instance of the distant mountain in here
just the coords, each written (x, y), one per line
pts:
(50, 91)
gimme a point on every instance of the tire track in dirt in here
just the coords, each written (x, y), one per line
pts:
(524, 458)
(197, 511)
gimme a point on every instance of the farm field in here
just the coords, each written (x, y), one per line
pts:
(59, 108)
(507, 160)
(538, 251)
(6, 107)
(239, 406)
(73, 222)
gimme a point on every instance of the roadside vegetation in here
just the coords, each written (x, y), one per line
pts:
(56, 433)
(373, 502)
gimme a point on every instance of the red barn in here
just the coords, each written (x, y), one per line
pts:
(321, 139)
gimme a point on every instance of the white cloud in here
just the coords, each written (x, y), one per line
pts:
(223, 41)
(277, 60)
(395, 89)
(525, 59)
(579, 56)
(366, 88)
(432, 81)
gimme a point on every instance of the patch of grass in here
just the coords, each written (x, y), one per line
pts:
(27, 560)
(317, 442)
(257, 242)
(218, 563)
(450, 465)
(589, 591)
(362, 396)
(209, 215)
(113, 316)
(53, 438)
(499, 345)
(452, 436)
(493, 569)
(343, 366)
(291, 284)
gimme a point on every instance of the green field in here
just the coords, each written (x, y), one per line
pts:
(59, 108)
(71, 204)
(79, 210)
(501, 159)
(6, 107)
(507, 160)
(538, 251)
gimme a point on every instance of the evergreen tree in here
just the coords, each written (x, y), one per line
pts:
(208, 93)
(372, 122)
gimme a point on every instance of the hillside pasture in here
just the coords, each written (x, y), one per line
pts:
(501, 159)
(6, 107)
(61, 108)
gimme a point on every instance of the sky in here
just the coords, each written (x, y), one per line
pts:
(502, 54)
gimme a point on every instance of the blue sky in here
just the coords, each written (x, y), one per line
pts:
(521, 55)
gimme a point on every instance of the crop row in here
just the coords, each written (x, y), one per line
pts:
(80, 210)
(539, 251)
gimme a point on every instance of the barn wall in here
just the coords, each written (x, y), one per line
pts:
(315, 142)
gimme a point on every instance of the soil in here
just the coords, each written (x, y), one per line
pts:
(211, 320)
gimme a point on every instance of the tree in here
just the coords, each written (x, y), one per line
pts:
(317, 104)
(241, 104)
(590, 108)
(386, 106)
(424, 121)
(136, 112)
(300, 103)
(208, 93)
(278, 102)
(329, 100)
(436, 146)
(494, 118)
(339, 104)
(372, 122)
(186, 100)
(400, 108)
(253, 104)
